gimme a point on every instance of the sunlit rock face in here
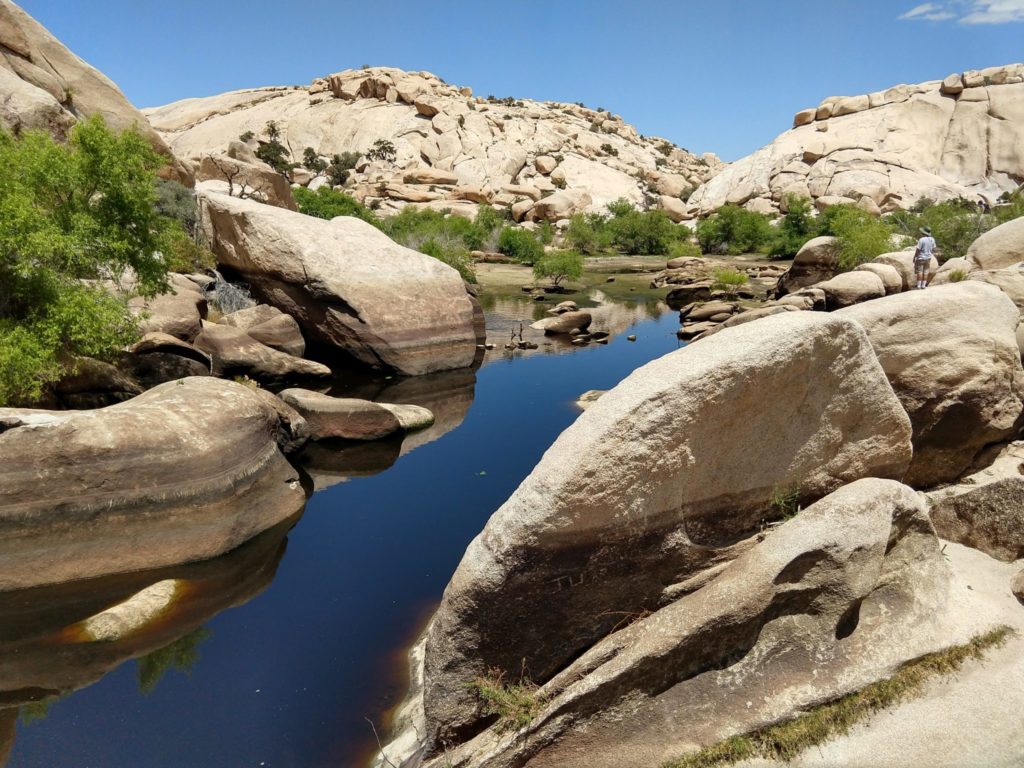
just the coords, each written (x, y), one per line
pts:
(348, 285)
(186, 471)
(46, 87)
(890, 149)
(654, 484)
(455, 151)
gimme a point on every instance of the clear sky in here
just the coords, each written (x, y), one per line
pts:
(711, 75)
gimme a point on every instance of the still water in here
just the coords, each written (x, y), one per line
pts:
(284, 647)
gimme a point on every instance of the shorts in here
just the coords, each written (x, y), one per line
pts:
(922, 265)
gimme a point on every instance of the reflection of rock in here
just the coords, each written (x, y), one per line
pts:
(186, 471)
(8, 719)
(329, 462)
(447, 395)
(45, 645)
(505, 315)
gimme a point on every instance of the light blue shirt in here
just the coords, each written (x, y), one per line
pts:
(925, 248)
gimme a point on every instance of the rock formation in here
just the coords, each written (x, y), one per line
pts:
(833, 599)
(962, 137)
(651, 488)
(46, 87)
(452, 150)
(951, 355)
(186, 471)
(347, 284)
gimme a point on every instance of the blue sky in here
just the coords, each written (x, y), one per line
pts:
(723, 76)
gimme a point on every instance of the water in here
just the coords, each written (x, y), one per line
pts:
(291, 642)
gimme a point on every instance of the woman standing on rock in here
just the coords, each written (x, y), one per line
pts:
(923, 256)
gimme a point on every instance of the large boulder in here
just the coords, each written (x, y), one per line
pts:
(651, 486)
(46, 87)
(184, 472)
(857, 579)
(951, 355)
(849, 288)
(235, 353)
(816, 261)
(347, 284)
(346, 418)
(178, 313)
(255, 180)
(269, 325)
(1010, 280)
(565, 322)
(999, 247)
(889, 275)
(561, 205)
(903, 262)
(989, 517)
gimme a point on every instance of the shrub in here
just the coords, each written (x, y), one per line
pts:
(70, 213)
(520, 245)
(176, 201)
(382, 150)
(861, 236)
(728, 280)
(957, 275)
(585, 233)
(326, 203)
(558, 266)
(311, 161)
(734, 230)
(650, 232)
(273, 152)
(340, 166)
(683, 248)
(452, 253)
(247, 136)
(608, 149)
(183, 252)
(795, 229)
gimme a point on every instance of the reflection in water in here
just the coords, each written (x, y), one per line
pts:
(505, 317)
(47, 649)
(448, 395)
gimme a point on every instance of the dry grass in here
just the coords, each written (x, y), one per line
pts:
(786, 740)
(515, 704)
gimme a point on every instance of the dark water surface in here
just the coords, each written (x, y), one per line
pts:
(293, 641)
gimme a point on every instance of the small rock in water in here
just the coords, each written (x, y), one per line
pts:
(610, 280)
(631, 338)
(588, 398)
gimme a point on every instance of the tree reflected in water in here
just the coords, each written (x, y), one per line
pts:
(181, 655)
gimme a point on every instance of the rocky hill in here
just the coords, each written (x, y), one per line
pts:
(451, 149)
(958, 137)
(46, 87)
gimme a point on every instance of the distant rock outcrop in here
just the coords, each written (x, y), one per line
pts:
(960, 137)
(452, 150)
(46, 87)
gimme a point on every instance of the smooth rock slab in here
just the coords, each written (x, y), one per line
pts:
(186, 471)
(999, 247)
(654, 483)
(851, 288)
(234, 352)
(411, 418)
(341, 417)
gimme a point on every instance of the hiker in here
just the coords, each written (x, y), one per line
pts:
(923, 257)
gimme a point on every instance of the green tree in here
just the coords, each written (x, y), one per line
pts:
(71, 216)
(734, 230)
(558, 266)
(273, 152)
(326, 203)
(311, 161)
(340, 167)
(861, 236)
(382, 150)
(520, 245)
(587, 233)
(795, 229)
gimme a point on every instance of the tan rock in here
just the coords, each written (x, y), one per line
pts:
(430, 176)
(347, 285)
(545, 164)
(257, 181)
(989, 518)
(341, 417)
(952, 358)
(177, 313)
(999, 247)
(646, 490)
(851, 288)
(269, 326)
(184, 472)
(236, 353)
(891, 279)
(805, 116)
(903, 262)
(565, 322)
(817, 260)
